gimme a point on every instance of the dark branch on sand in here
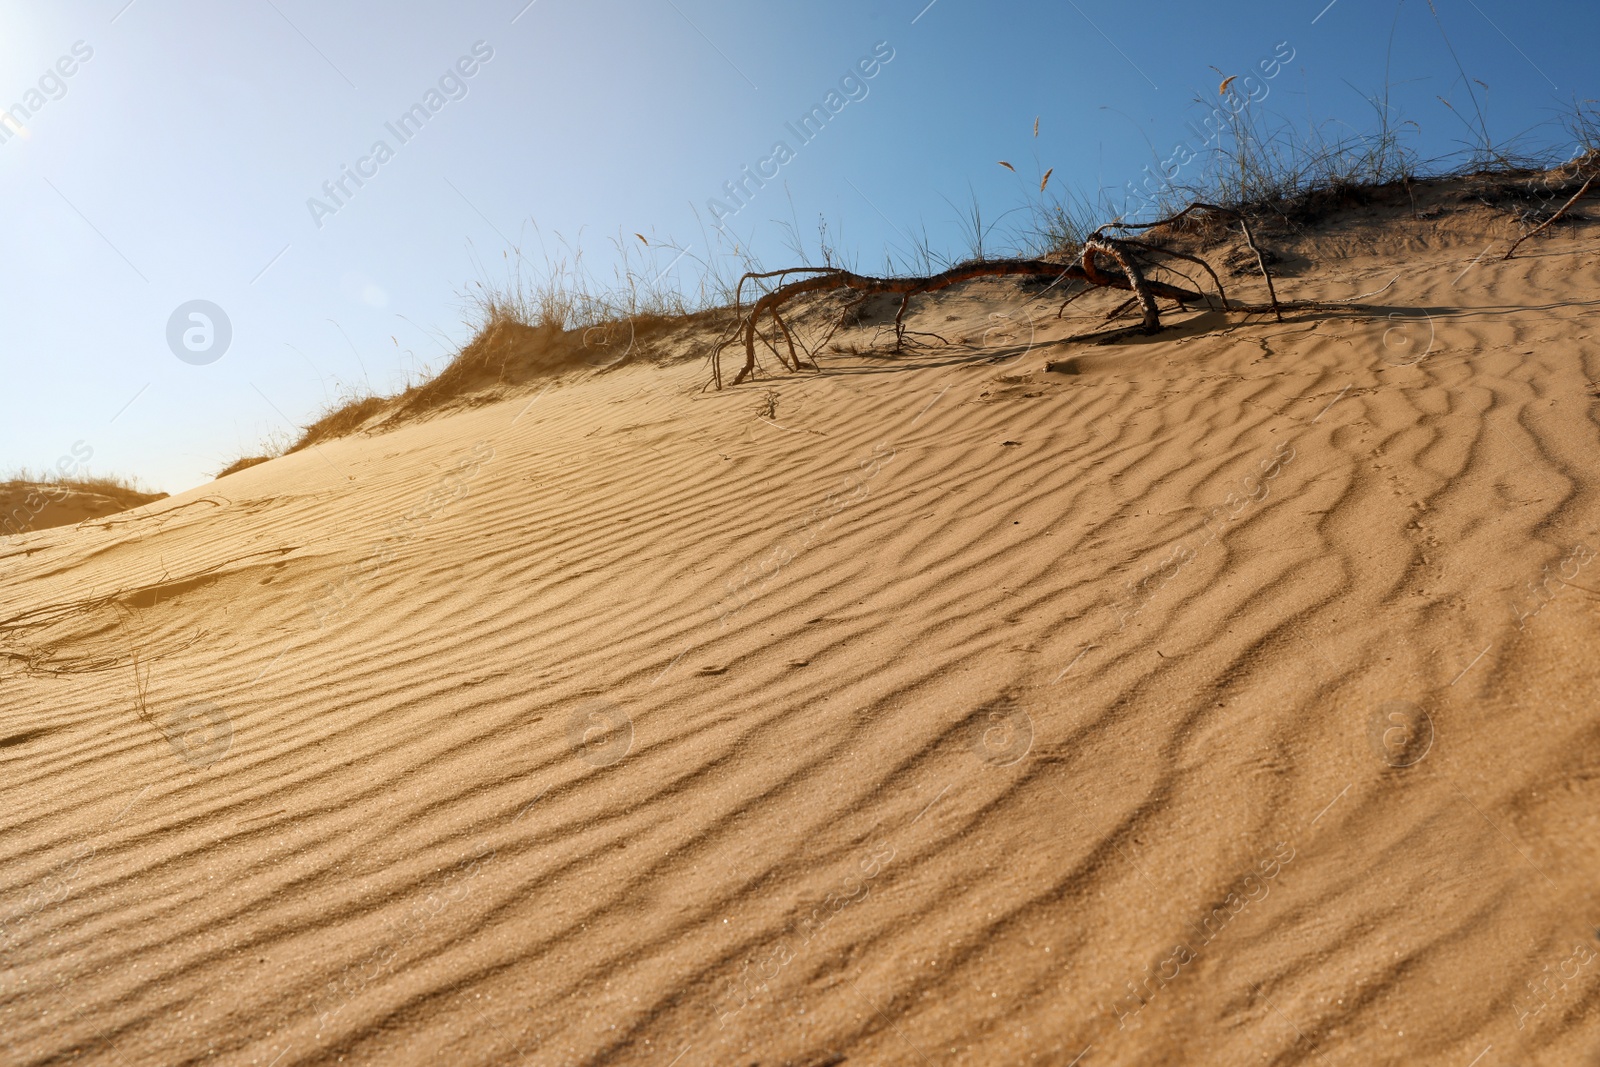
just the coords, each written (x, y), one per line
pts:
(834, 278)
(1130, 274)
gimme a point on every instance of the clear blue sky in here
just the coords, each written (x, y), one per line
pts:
(176, 161)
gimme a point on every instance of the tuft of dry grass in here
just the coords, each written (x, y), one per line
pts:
(242, 463)
(30, 501)
(504, 350)
(112, 485)
(340, 419)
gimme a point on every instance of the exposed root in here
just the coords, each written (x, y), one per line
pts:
(1096, 246)
(1130, 275)
(1223, 212)
(1145, 246)
(825, 279)
(1121, 309)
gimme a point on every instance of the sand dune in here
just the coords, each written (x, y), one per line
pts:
(1223, 696)
(26, 505)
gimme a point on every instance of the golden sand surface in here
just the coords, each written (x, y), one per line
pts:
(1221, 696)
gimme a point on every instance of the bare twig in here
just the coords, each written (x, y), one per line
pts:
(1130, 276)
(1070, 299)
(788, 339)
(1261, 261)
(1363, 296)
(1562, 210)
(141, 686)
(1118, 311)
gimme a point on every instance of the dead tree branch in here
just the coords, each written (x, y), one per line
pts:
(1129, 275)
(826, 279)
(1223, 212)
(1562, 210)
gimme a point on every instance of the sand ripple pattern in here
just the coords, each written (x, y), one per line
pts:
(1230, 700)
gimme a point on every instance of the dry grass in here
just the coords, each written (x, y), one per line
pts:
(550, 319)
(112, 485)
(340, 419)
(242, 463)
(517, 339)
(505, 349)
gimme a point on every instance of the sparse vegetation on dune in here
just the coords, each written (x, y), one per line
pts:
(38, 500)
(533, 323)
(242, 463)
(111, 485)
(553, 317)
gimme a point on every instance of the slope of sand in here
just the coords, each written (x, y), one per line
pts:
(28, 506)
(1226, 696)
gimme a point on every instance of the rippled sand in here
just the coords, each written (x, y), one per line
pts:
(1229, 699)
